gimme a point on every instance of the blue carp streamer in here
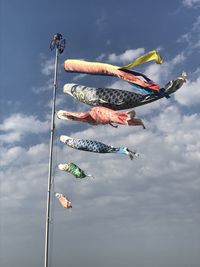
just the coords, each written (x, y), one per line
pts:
(95, 146)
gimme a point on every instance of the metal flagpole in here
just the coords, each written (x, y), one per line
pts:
(48, 209)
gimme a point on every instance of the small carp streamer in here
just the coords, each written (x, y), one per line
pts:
(102, 115)
(95, 146)
(117, 99)
(123, 72)
(74, 170)
(64, 201)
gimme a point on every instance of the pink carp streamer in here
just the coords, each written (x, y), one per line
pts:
(64, 201)
(102, 115)
(122, 72)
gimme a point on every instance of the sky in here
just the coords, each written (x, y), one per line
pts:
(138, 213)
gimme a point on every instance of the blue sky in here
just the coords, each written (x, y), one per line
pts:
(140, 213)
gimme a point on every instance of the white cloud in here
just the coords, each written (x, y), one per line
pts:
(189, 95)
(17, 125)
(10, 137)
(101, 21)
(48, 67)
(125, 57)
(160, 188)
(18, 156)
(44, 88)
(156, 106)
(10, 155)
(79, 76)
(120, 85)
(101, 57)
(192, 37)
(23, 172)
(191, 3)
(196, 24)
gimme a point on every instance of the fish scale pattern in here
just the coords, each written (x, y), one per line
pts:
(115, 99)
(91, 146)
(76, 171)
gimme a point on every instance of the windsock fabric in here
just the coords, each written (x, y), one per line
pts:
(152, 55)
(64, 201)
(95, 146)
(114, 99)
(74, 170)
(102, 115)
(117, 99)
(123, 72)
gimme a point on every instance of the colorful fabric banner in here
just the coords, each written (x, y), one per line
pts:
(152, 55)
(64, 201)
(114, 99)
(95, 146)
(74, 170)
(123, 72)
(102, 115)
(117, 99)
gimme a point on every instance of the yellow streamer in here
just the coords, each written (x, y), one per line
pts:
(152, 55)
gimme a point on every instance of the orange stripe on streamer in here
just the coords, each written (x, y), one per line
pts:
(97, 68)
